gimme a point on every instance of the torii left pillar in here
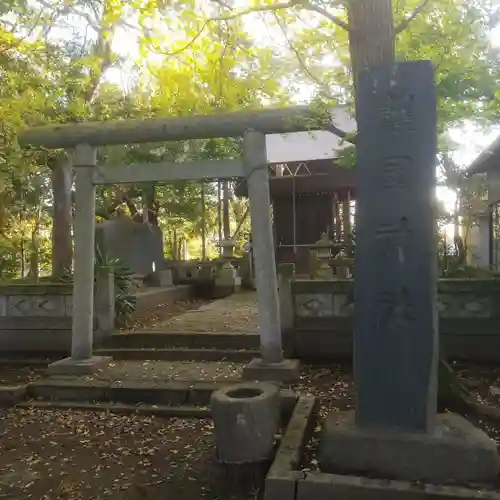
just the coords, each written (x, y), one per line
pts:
(271, 366)
(81, 361)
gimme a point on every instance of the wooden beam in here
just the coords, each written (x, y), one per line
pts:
(267, 121)
(167, 172)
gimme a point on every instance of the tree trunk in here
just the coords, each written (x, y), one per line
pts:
(62, 249)
(225, 211)
(149, 214)
(62, 175)
(457, 237)
(34, 266)
(371, 34)
(219, 214)
(135, 215)
(203, 226)
(174, 245)
(182, 248)
(34, 272)
(242, 221)
(23, 259)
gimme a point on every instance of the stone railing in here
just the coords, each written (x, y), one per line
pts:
(215, 279)
(193, 271)
(320, 314)
(35, 319)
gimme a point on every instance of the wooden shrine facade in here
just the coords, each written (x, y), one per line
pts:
(309, 199)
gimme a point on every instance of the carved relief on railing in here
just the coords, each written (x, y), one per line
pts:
(336, 299)
(50, 301)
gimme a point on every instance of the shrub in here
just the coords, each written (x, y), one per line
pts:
(125, 283)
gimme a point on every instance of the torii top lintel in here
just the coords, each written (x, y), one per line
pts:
(267, 121)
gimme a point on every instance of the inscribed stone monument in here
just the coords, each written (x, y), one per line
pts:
(137, 244)
(395, 267)
(395, 431)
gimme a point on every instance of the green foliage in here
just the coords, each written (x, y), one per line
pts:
(450, 266)
(54, 64)
(453, 34)
(125, 283)
(347, 157)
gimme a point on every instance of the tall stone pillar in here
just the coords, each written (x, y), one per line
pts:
(271, 366)
(395, 431)
(396, 248)
(82, 361)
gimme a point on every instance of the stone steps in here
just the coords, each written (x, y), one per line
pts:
(129, 392)
(142, 409)
(23, 360)
(155, 339)
(179, 354)
(172, 398)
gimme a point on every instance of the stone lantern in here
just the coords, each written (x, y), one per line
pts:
(227, 249)
(227, 280)
(323, 252)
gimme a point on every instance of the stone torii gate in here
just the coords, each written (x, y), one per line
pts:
(84, 139)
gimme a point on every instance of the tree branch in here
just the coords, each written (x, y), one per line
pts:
(188, 44)
(298, 4)
(347, 136)
(261, 8)
(299, 57)
(20, 40)
(330, 127)
(325, 13)
(222, 3)
(406, 22)
(93, 23)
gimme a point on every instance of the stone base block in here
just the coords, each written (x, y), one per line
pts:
(226, 287)
(231, 282)
(320, 486)
(163, 278)
(70, 366)
(221, 292)
(282, 487)
(286, 371)
(455, 452)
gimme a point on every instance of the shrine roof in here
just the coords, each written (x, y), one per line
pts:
(488, 159)
(313, 177)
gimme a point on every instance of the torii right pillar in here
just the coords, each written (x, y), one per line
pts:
(395, 431)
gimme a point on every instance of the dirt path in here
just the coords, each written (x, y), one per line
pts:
(237, 313)
(161, 314)
(71, 455)
(74, 455)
